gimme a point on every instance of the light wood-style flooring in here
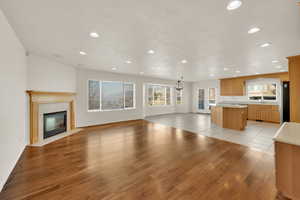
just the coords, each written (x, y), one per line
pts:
(140, 160)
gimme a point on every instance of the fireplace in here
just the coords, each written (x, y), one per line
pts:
(55, 123)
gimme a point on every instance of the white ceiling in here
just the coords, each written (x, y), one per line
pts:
(204, 33)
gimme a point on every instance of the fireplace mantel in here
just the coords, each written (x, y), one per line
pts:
(43, 97)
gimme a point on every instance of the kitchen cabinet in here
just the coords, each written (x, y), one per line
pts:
(236, 86)
(232, 117)
(287, 160)
(268, 113)
(232, 87)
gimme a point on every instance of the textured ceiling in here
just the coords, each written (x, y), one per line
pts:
(202, 32)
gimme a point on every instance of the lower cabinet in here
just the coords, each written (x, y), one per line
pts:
(287, 165)
(268, 113)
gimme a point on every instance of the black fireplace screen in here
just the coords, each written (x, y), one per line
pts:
(55, 123)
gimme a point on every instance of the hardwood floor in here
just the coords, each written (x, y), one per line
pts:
(140, 161)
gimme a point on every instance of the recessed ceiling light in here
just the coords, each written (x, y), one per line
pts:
(275, 61)
(151, 51)
(238, 71)
(184, 61)
(114, 68)
(128, 62)
(82, 53)
(265, 45)
(254, 30)
(279, 67)
(94, 35)
(226, 69)
(234, 4)
(142, 73)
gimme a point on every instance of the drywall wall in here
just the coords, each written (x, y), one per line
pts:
(13, 99)
(48, 75)
(85, 118)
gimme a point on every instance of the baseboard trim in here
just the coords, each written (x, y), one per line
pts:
(110, 124)
(10, 176)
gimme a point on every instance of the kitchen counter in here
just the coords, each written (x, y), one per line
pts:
(287, 160)
(248, 102)
(229, 116)
(232, 105)
(288, 133)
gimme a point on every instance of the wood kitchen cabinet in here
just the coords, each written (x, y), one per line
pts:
(236, 86)
(267, 113)
(287, 160)
(232, 87)
(232, 117)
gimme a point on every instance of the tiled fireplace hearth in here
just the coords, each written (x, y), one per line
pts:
(52, 116)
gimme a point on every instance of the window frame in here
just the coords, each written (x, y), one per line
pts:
(165, 90)
(100, 99)
(262, 97)
(198, 95)
(180, 95)
(212, 104)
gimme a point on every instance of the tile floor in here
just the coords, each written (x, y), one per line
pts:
(257, 135)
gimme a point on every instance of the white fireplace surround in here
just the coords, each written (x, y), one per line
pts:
(51, 108)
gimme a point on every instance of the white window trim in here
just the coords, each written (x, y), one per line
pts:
(212, 104)
(100, 88)
(181, 97)
(198, 92)
(160, 85)
(270, 82)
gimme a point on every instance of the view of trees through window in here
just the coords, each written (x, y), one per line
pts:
(262, 91)
(159, 95)
(201, 93)
(94, 95)
(110, 95)
(179, 96)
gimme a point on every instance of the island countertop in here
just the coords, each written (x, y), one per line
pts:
(288, 133)
(231, 105)
(249, 103)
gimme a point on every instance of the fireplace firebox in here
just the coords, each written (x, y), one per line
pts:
(55, 123)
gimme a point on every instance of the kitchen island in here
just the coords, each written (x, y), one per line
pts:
(230, 116)
(287, 160)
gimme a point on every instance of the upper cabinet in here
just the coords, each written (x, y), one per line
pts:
(237, 86)
(232, 87)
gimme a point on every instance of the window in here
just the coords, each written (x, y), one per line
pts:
(94, 95)
(110, 95)
(262, 91)
(179, 96)
(212, 96)
(159, 95)
(129, 95)
(201, 93)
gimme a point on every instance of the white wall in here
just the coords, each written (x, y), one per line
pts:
(85, 118)
(48, 75)
(13, 99)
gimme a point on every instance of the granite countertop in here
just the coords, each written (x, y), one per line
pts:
(249, 102)
(288, 133)
(232, 105)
